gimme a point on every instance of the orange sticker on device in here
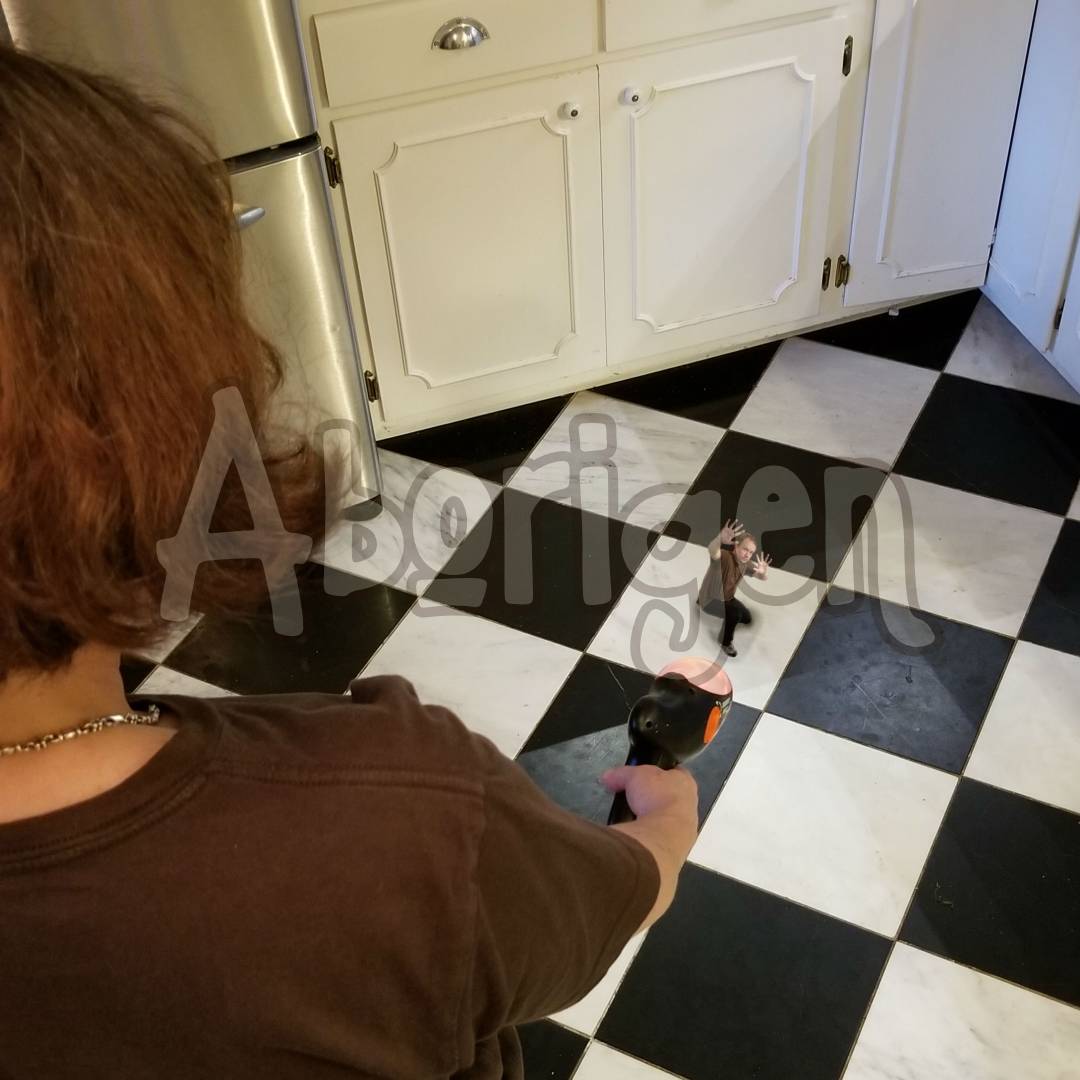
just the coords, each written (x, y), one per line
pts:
(712, 726)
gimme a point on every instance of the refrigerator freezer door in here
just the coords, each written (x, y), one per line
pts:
(234, 66)
(296, 296)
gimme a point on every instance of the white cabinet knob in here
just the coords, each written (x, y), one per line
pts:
(570, 110)
(631, 96)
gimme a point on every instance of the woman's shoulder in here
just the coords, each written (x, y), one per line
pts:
(379, 725)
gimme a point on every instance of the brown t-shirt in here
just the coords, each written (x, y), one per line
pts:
(306, 885)
(721, 579)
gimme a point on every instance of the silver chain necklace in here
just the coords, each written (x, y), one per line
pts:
(100, 723)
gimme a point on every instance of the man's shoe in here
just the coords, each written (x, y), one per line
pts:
(730, 650)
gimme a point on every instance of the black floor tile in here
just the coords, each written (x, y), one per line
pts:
(1001, 891)
(1053, 619)
(584, 732)
(598, 695)
(990, 440)
(133, 669)
(490, 446)
(923, 334)
(736, 983)
(862, 672)
(551, 1051)
(343, 621)
(712, 391)
(541, 567)
(801, 506)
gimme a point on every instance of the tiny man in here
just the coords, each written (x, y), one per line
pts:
(732, 554)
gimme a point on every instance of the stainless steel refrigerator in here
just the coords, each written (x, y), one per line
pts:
(237, 67)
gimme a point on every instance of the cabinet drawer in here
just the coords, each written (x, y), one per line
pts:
(383, 49)
(628, 23)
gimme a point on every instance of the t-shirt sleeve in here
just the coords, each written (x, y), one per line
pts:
(557, 900)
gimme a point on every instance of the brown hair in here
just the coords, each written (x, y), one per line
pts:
(120, 314)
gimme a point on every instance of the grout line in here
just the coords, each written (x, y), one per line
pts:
(918, 416)
(1008, 660)
(659, 1069)
(507, 480)
(869, 1007)
(1019, 389)
(996, 978)
(792, 901)
(993, 696)
(900, 924)
(731, 773)
(929, 852)
(866, 746)
(1071, 811)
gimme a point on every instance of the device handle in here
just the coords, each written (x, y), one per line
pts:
(620, 808)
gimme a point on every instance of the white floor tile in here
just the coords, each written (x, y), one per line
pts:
(835, 401)
(840, 827)
(992, 350)
(1030, 740)
(934, 1020)
(163, 680)
(427, 510)
(497, 680)
(657, 620)
(630, 463)
(586, 1014)
(600, 1062)
(963, 556)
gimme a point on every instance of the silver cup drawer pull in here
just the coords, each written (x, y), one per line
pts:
(460, 33)
(247, 215)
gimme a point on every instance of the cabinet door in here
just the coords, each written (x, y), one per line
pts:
(476, 228)
(944, 81)
(1065, 353)
(718, 161)
(1040, 204)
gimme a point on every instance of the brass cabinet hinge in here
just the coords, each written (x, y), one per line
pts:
(371, 382)
(826, 271)
(333, 166)
(849, 46)
(843, 271)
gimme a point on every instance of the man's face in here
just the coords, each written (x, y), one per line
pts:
(745, 550)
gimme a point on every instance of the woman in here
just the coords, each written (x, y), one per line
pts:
(294, 886)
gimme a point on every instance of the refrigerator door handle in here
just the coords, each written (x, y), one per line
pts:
(247, 215)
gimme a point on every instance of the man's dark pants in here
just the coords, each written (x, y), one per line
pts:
(733, 612)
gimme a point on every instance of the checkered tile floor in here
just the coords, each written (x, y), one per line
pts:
(887, 877)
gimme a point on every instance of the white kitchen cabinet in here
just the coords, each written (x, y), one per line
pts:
(497, 262)
(476, 229)
(944, 80)
(718, 166)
